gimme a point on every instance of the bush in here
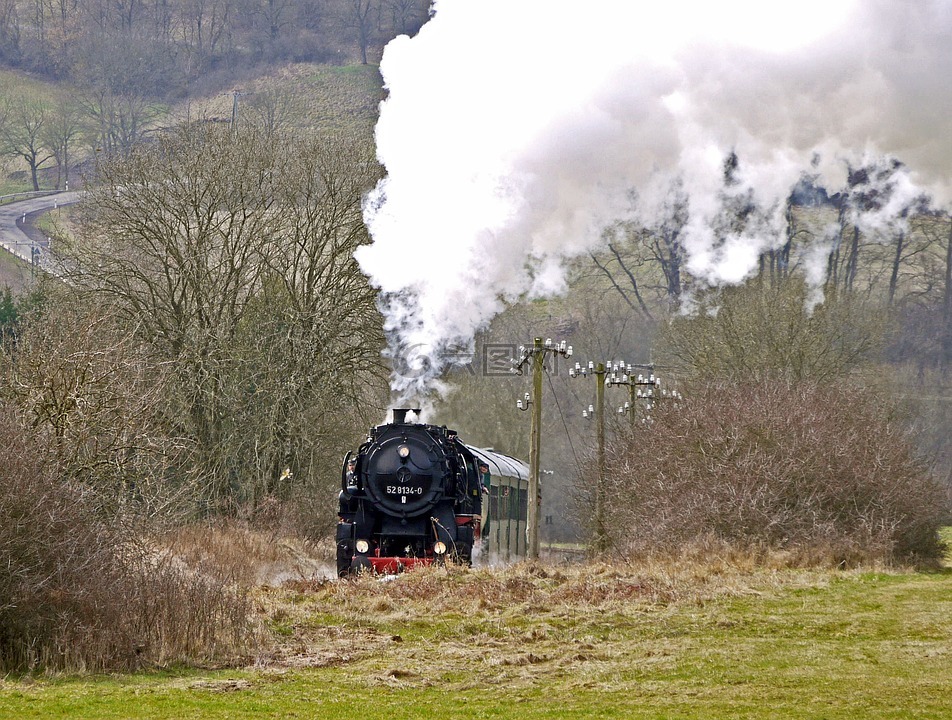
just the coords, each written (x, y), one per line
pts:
(825, 471)
(82, 592)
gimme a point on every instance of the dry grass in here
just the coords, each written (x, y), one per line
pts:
(719, 638)
(500, 620)
(311, 95)
(15, 273)
(247, 556)
(714, 632)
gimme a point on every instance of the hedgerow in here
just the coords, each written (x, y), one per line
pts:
(824, 471)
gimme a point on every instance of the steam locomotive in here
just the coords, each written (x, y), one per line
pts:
(411, 495)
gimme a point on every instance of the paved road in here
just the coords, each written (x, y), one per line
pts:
(12, 235)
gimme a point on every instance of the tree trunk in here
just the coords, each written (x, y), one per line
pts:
(852, 262)
(947, 306)
(33, 175)
(897, 261)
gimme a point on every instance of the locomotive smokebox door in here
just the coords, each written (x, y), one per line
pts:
(403, 473)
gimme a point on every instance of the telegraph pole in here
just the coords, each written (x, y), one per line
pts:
(234, 111)
(607, 375)
(535, 452)
(600, 535)
(601, 532)
(621, 374)
(537, 355)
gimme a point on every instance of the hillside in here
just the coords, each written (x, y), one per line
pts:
(299, 95)
(296, 95)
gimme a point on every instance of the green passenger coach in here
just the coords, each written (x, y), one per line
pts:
(506, 507)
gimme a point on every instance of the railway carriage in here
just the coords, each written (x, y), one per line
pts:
(504, 507)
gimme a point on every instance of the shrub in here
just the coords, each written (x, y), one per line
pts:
(80, 591)
(822, 470)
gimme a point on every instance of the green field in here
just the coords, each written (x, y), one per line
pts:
(697, 641)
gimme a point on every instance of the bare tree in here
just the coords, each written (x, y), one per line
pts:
(174, 233)
(919, 284)
(9, 30)
(85, 384)
(60, 135)
(357, 19)
(276, 16)
(947, 302)
(119, 75)
(22, 134)
(203, 25)
(763, 331)
(233, 260)
(843, 261)
(274, 109)
(645, 260)
(119, 120)
(311, 345)
(406, 16)
(644, 265)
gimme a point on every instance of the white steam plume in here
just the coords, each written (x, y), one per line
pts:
(515, 130)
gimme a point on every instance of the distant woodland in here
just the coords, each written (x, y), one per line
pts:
(161, 48)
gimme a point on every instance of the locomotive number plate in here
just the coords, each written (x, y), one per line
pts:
(403, 490)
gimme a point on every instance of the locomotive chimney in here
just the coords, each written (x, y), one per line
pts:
(400, 415)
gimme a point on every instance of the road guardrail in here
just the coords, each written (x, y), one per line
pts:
(25, 195)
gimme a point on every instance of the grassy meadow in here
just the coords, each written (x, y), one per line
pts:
(305, 95)
(702, 638)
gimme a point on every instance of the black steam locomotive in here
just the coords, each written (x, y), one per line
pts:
(411, 495)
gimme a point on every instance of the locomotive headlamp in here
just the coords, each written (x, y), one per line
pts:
(440, 548)
(362, 546)
(403, 451)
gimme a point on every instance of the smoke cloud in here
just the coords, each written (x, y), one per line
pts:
(515, 130)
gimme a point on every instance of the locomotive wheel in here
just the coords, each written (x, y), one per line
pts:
(361, 565)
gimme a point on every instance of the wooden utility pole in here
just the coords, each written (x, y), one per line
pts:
(537, 355)
(620, 374)
(600, 530)
(600, 543)
(607, 375)
(535, 451)
(234, 111)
